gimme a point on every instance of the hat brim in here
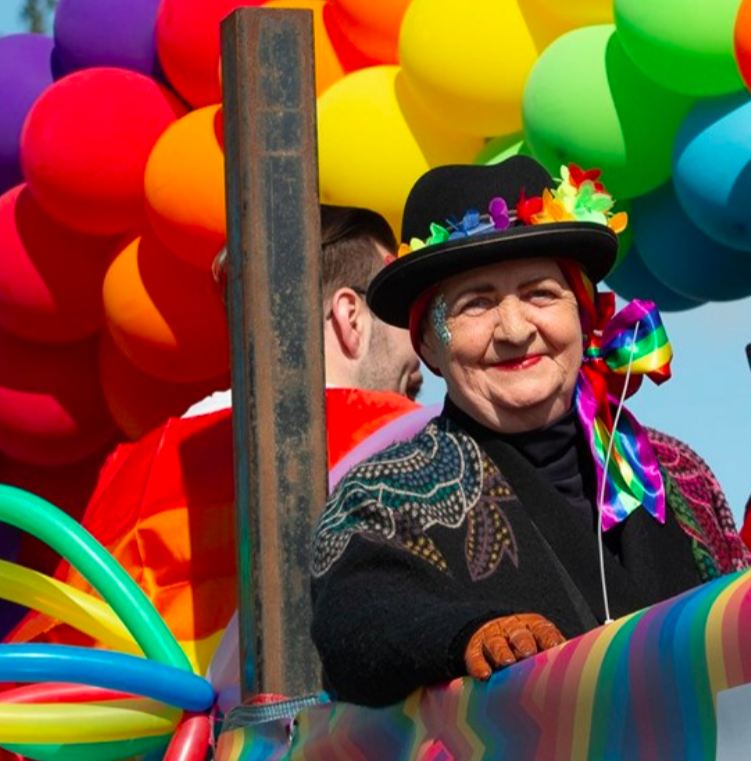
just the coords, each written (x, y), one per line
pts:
(395, 288)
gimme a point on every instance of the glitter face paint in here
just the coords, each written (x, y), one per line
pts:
(438, 316)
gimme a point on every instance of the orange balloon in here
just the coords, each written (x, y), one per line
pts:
(372, 27)
(184, 186)
(139, 402)
(328, 66)
(743, 41)
(164, 314)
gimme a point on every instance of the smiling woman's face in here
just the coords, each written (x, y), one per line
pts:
(508, 342)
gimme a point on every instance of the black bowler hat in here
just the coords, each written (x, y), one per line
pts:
(471, 216)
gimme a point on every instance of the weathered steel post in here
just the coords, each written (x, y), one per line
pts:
(273, 223)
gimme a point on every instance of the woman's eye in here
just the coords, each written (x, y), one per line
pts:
(541, 294)
(475, 306)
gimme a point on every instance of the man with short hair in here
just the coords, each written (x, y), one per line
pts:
(361, 351)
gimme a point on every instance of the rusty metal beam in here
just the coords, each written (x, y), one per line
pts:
(273, 223)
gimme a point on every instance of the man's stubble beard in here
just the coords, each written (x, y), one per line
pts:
(377, 371)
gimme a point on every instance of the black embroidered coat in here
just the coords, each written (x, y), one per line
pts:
(426, 541)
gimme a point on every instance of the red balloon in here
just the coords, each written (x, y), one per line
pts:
(61, 692)
(187, 34)
(191, 741)
(139, 402)
(85, 145)
(52, 410)
(51, 276)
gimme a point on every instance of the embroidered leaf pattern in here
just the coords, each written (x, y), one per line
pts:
(489, 534)
(398, 494)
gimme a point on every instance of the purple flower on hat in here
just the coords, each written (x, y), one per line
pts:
(498, 210)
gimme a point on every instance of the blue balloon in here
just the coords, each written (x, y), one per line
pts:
(632, 280)
(712, 168)
(102, 668)
(26, 70)
(681, 256)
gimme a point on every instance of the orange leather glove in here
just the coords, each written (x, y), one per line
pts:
(504, 641)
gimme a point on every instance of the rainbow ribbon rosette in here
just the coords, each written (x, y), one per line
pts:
(627, 346)
(82, 704)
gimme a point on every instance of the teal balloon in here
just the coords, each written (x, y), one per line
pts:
(586, 102)
(681, 256)
(685, 45)
(499, 149)
(632, 280)
(712, 168)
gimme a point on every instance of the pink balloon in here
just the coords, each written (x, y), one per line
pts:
(51, 276)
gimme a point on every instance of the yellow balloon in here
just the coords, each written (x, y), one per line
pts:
(87, 613)
(86, 722)
(549, 19)
(65, 603)
(375, 140)
(468, 63)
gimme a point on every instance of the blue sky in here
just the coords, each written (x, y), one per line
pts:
(707, 403)
(9, 12)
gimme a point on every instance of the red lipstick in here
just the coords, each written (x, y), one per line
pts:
(519, 363)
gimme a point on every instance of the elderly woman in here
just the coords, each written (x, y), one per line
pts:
(535, 507)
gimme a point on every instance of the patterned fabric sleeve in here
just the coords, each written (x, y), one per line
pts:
(707, 518)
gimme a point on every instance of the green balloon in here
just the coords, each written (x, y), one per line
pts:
(585, 102)
(67, 537)
(685, 45)
(106, 751)
(499, 149)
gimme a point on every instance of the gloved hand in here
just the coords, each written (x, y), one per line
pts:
(503, 641)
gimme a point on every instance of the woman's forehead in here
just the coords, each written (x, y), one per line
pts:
(508, 274)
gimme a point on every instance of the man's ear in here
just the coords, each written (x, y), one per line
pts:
(349, 319)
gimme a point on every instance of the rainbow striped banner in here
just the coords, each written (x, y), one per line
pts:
(644, 687)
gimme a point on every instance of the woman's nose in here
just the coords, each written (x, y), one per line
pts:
(511, 323)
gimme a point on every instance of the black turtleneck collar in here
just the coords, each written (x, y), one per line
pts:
(557, 451)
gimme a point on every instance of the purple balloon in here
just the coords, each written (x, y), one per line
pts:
(10, 546)
(25, 72)
(119, 33)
